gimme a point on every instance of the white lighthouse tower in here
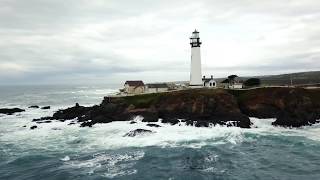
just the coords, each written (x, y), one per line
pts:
(195, 73)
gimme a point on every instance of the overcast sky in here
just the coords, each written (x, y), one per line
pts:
(96, 41)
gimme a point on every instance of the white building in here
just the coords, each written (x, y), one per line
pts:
(195, 73)
(236, 86)
(134, 87)
(155, 88)
(209, 82)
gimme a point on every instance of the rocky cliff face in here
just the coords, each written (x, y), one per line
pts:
(292, 107)
(201, 107)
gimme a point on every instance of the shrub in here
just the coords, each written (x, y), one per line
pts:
(252, 82)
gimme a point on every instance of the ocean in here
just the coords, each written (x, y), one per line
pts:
(59, 151)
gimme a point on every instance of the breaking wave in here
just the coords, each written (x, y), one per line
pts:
(61, 151)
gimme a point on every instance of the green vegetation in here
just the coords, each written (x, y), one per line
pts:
(232, 79)
(252, 82)
(143, 100)
(226, 81)
(146, 100)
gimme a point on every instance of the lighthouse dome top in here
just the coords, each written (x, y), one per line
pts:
(195, 34)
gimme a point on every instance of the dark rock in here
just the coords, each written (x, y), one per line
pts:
(71, 113)
(34, 107)
(24, 126)
(56, 129)
(153, 125)
(40, 122)
(190, 122)
(171, 121)
(262, 111)
(296, 119)
(71, 123)
(202, 124)
(292, 107)
(10, 111)
(150, 117)
(133, 122)
(138, 132)
(33, 127)
(45, 107)
(87, 124)
(43, 119)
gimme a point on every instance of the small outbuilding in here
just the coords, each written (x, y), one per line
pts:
(158, 87)
(209, 82)
(236, 86)
(134, 87)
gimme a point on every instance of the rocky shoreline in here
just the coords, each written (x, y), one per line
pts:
(291, 107)
(10, 111)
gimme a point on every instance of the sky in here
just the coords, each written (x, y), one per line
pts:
(110, 41)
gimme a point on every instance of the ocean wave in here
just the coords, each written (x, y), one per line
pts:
(112, 164)
(57, 134)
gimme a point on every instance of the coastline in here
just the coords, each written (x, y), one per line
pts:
(291, 107)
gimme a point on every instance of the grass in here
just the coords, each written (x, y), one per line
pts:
(146, 100)
(143, 100)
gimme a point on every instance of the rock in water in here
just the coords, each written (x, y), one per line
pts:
(46, 107)
(153, 125)
(171, 121)
(34, 107)
(138, 132)
(33, 127)
(40, 122)
(43, 119)
(11, 111)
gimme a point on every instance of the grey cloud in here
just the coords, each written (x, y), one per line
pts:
(76, 40)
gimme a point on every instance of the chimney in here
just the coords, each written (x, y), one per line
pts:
(211, 76)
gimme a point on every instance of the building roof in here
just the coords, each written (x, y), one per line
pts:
(134, 83)
(158, 85)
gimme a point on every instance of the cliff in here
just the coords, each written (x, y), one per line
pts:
(291, 107)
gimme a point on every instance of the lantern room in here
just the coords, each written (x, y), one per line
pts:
(195, 39)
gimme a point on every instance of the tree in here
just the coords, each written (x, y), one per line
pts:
(252, 82)
(232, 79)
(225, 81)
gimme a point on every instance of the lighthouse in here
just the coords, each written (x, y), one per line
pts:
(195, 72)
